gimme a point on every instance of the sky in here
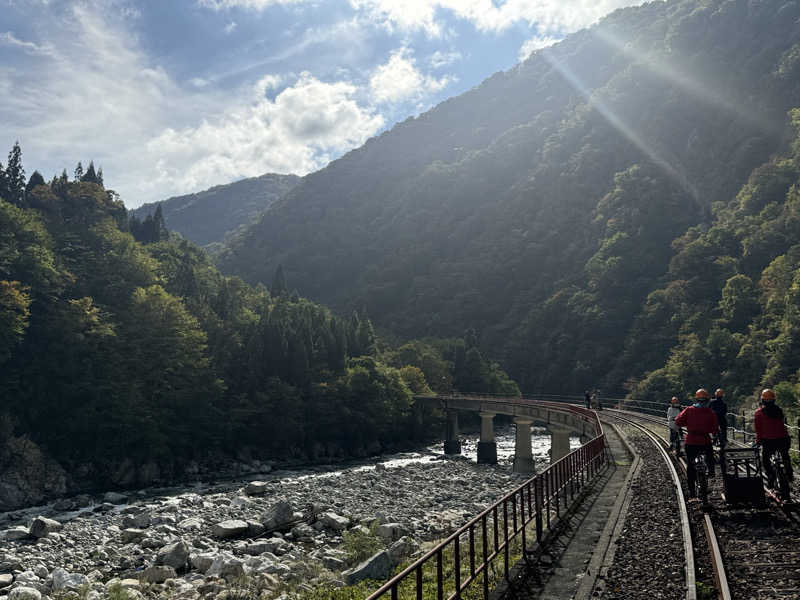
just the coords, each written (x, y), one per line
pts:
(174, 96)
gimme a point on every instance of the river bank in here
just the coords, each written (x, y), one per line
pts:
(290, 528)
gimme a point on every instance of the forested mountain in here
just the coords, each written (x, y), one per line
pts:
(548, 207)
(124, 356)
(212, 216)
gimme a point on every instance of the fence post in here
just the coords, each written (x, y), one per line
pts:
(744, 425)
(539, 502)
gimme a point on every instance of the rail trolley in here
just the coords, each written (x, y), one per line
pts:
(741, 476)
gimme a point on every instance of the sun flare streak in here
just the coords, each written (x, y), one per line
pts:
(697, 88)
(675, 172)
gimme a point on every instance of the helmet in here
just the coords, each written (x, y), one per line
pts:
(719, 393)
(702, 393)
(767, 395)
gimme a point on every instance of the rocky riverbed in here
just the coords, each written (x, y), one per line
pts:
(287, 530)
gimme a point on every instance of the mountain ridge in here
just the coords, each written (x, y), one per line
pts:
(524, 190)
(213, 215)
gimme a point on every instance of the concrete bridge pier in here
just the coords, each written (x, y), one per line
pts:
(559, 441)
(523, 451)
(452, 445)
(487, 446)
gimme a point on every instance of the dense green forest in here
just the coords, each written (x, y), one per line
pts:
(563, 208)
(124, 353)
(210, 217)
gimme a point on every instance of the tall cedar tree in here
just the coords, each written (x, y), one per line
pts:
(15, 176)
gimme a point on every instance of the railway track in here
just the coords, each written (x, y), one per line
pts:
(685, 521)
(753, 551)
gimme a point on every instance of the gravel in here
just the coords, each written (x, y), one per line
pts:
(649, 558)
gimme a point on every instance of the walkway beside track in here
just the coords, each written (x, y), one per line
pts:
(570, 561)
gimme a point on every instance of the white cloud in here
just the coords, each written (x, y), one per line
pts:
(556, 16)
(441, 59)
(536, 43)
(9, 39)
(156, 138)
(231, 27)
(399, 79)
(252, 4)
(296, 132)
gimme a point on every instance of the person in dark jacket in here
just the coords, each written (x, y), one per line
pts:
(700, 423)
(721, 410)
(772, 435)
(587, 397)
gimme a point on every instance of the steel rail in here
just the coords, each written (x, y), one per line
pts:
(717, 562)
(769, 492)
(500, 524)
(686, 530)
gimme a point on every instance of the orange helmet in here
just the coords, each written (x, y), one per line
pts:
(702, 393)
(719, 393)
(767, 395)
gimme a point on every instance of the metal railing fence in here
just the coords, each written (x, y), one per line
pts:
(470, 555)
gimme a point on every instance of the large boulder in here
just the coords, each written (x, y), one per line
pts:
(278, 516)
(132, 535)
(229, 529)
(390, 532)
(157, 574)
(378, 566)
(202, 561)
(256, 488)
(331, 520)
(254, 528)
(13, 534)
(115, 498)
(303, 532)
(137, 521)
(191, 524)
(275, 545)
(5, 580)
(227, 566)
(41, 526)
(402, 548)
(63, 580)
(174, 555)
(25, 593)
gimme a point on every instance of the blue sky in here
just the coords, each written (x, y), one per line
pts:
(174, 96)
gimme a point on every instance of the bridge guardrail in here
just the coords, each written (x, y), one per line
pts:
(469, 554)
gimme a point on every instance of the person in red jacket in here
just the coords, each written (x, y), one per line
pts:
(700, 423)
(772, 435)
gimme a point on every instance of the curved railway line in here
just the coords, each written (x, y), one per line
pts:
(753, 551)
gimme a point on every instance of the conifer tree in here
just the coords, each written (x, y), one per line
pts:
(79, 172)
(100, 177)
(3, 183)
(90, 176)
(35, 179)
(278, 286)
(15, 176)
(160, 231)
(366, 337)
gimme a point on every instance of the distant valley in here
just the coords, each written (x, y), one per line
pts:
(214, 215)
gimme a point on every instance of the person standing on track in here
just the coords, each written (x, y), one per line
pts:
(721, 410)
(674, 430)
(772, 434)
(700, 422)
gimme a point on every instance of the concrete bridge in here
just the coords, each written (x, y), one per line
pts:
(560, 419)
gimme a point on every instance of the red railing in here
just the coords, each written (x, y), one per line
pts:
(469, 554)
